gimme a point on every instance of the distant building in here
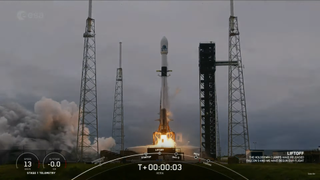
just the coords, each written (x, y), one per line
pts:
(312, 156)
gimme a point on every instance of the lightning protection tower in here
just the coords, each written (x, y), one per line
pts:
(118, 124)
(87, 137)
(238, 134)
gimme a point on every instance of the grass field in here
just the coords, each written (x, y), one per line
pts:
(197, 171)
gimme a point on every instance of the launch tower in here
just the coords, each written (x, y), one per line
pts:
(117, 123)
(87, 134)
(209, 126)
(238, 134)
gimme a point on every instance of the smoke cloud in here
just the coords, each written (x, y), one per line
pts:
(106, 143)
(52, 125)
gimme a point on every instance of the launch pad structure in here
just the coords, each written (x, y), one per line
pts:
(209, 135)
(238, 135)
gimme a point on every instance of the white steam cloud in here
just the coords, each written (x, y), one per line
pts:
(53, 125)
(106, 143)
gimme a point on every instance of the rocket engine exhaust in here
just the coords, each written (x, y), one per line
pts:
(164, 137)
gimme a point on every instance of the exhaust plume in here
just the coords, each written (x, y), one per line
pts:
(53, 125)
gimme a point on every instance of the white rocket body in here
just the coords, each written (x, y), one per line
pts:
(164, 125)
(164, 70)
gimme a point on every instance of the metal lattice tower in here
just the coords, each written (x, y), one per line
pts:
(209, 125)
(87, 137)
(217, 125)
(118, 124)
(207, 68)
(238, 134)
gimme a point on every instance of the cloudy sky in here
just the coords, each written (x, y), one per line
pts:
(41, 55)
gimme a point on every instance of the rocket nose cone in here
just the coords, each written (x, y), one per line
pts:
(164, 41)
(164, 45)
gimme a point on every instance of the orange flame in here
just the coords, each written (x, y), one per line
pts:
(164, 141)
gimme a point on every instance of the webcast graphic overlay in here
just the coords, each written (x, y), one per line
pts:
(160, 167)
(284, 156)
(28, 161)
(173, 167)
(54, 161)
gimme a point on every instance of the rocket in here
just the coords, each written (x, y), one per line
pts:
(164, 137)
(164, 120)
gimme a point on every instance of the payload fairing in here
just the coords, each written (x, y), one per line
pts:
(164, 134)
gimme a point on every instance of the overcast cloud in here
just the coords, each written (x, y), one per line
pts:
(279, 41)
